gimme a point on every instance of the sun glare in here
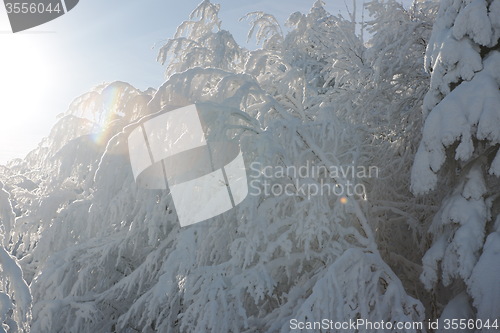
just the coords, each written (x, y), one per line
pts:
(25, 84)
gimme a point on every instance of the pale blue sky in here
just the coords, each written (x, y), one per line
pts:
(43, 69)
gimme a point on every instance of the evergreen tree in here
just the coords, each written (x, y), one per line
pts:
(459, 153)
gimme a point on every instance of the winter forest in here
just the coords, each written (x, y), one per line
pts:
(412, 91)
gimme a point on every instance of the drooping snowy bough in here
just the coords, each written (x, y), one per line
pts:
(459, 151)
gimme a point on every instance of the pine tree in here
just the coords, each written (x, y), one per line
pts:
(459, 155)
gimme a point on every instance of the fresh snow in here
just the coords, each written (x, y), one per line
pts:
(85, 249)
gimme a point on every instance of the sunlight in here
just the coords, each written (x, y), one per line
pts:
(25, 84)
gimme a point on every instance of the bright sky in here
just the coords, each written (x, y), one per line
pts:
(43, 69)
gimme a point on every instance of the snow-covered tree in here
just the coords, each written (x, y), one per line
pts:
(384, 100)
(459, 153)
(201, 42)
(15, 295)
